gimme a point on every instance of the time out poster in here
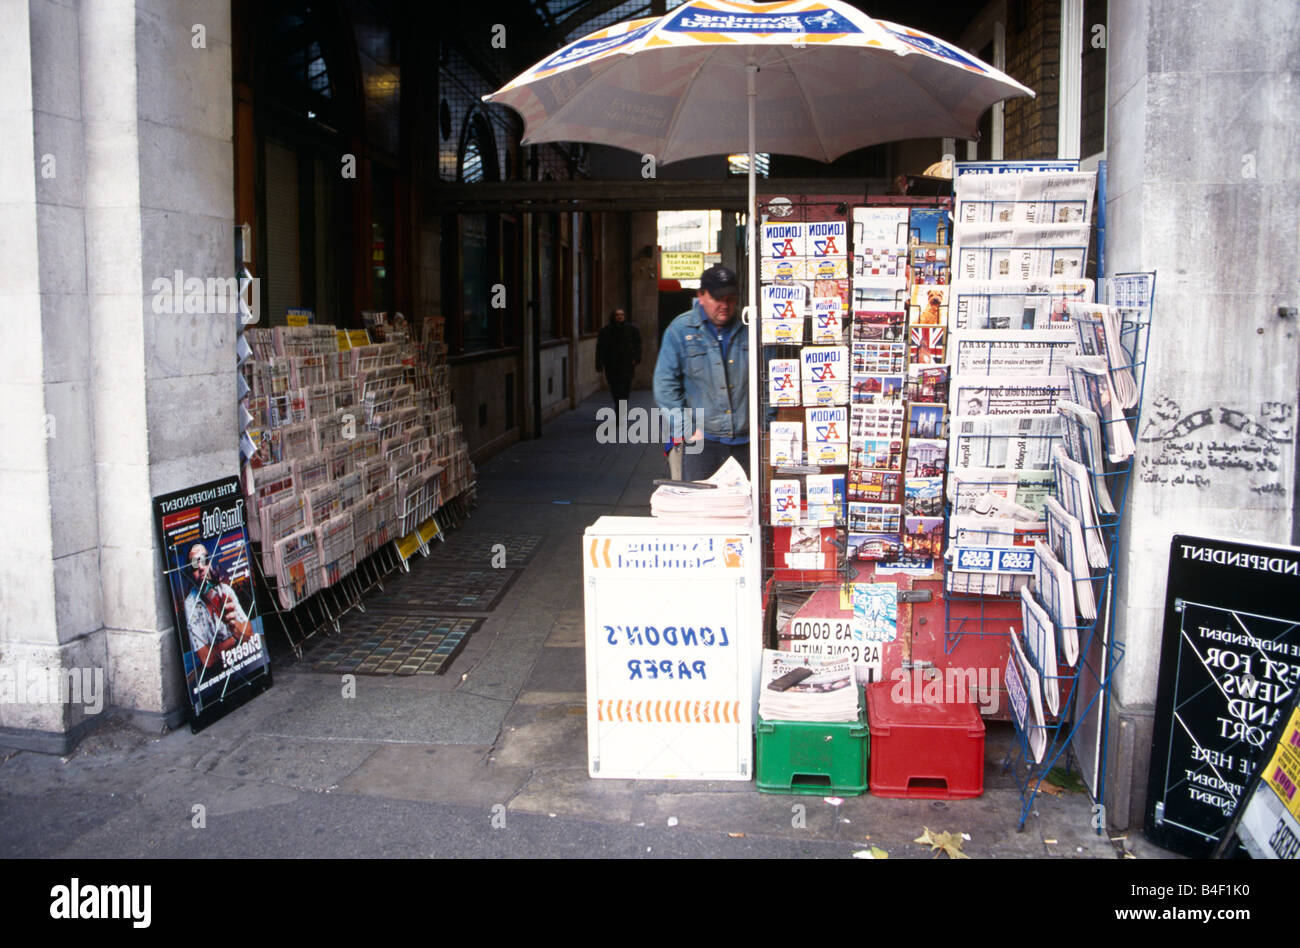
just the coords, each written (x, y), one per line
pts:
(208, 567)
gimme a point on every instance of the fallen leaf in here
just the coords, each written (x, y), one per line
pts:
(945, 842)
(879, 853)
(1048, 787)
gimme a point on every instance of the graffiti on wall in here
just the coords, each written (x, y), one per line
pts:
(1217, 446)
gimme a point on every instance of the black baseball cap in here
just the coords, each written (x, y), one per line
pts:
(720, 281)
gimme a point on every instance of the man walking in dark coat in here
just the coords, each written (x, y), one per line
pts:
(618, 353)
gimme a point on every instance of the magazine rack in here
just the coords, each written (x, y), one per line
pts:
(1085, 688)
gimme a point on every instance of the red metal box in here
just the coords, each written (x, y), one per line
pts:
(924, 750)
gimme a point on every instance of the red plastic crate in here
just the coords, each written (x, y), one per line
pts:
(923, 750)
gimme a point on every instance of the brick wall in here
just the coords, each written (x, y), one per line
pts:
(1033, 58)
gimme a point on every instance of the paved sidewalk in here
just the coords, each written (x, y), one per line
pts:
(488, 759)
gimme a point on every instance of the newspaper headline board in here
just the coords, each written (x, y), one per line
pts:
(207, 565)
(669, 667)
(1270, 823)
(1229, 663)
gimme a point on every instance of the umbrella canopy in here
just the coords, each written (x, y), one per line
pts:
(829, 79)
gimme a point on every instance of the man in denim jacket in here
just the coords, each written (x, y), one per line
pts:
(702, 376)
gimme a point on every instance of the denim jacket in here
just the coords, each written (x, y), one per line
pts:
(689, 374)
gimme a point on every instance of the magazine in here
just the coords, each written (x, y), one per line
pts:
(1090, 386)
(1097, 328)
(783, 382)
(1065, 536)
(1074, 491)
(297, 567)
(825, 375)
(1026, 698)
(1055, 588)
(786, 443)
(1081, 437)
(826, 327)
(825, 499)
(1040, 644)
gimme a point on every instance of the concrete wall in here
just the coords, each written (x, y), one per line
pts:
(117, 127)
(1202, 187)
(555, 394)
(482, 383)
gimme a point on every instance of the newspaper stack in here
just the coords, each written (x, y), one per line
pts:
(727, 501)
(828, 693)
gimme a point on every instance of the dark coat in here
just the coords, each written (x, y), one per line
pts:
(618, 348)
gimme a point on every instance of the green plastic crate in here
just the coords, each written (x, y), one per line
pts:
(813, 757)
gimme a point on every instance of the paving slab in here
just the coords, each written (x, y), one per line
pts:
(439, 774)
(380, 714)
(294, 763)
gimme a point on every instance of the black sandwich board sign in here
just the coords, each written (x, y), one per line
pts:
(1229, 662)
(207, 565)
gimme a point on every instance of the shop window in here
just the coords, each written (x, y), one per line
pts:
(303, 116)
(299, 63)
(478, 322)
(478, 153)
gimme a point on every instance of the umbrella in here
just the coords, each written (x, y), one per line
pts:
(828, 77)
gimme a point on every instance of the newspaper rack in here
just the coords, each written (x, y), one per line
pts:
(1098, 653)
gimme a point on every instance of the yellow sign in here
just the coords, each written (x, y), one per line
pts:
(681, 264)
(429, 529)
(298, 317)
(1283, 771)
(408, 544)
(359, 338)
(341, 338)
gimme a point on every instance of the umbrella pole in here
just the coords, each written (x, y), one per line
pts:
(753, 601)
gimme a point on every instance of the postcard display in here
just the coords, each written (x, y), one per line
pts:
(1043, 398)
(854, 383)
(351, 444)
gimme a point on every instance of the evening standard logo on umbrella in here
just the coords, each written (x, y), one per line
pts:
(931, 45)
(587, 48)
(692, 19)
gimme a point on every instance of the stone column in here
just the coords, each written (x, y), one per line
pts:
(1202, 183)
(116, 118)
